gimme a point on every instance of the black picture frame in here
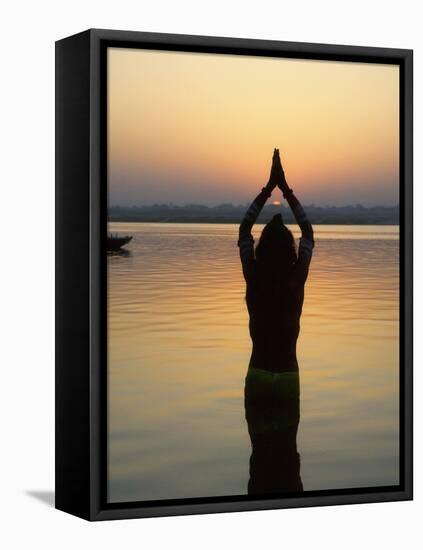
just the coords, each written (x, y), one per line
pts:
(81, 285)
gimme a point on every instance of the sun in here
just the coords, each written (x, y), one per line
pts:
(276, 203)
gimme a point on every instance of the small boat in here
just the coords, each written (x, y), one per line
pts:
(115, 243)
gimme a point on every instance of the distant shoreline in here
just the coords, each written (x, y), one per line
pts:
(230, 214)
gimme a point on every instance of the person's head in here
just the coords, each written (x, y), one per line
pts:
(275, 252)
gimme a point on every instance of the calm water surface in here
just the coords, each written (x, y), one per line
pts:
(179, 349)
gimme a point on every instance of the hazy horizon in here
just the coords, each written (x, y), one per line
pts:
(201, 128)
(246, 203)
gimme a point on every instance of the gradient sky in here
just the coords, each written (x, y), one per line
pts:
(201, 128)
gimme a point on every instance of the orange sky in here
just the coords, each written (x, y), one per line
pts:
(201, 128)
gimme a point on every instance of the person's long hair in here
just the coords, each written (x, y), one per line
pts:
(275, 252)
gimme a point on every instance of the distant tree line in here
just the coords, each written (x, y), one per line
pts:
(229, 213)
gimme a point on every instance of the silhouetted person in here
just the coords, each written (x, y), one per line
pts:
(275, 276)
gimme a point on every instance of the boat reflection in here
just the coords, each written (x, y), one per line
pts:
(122, 252)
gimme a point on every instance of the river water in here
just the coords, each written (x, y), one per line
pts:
(178, 351)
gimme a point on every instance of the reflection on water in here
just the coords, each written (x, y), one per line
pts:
(272, 411)
(178, 354)
(122, 252)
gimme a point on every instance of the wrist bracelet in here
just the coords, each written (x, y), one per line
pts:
(287, 191)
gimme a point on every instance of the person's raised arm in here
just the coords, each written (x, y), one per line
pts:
(246, 241)
(307, 237)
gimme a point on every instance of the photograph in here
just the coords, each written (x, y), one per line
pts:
(212, 346)
(253, 276)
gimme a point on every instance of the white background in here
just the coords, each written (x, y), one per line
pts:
(28, 32)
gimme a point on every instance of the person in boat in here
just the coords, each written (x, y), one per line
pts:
(275, 277)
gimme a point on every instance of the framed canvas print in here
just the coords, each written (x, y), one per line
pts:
(233, 274)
